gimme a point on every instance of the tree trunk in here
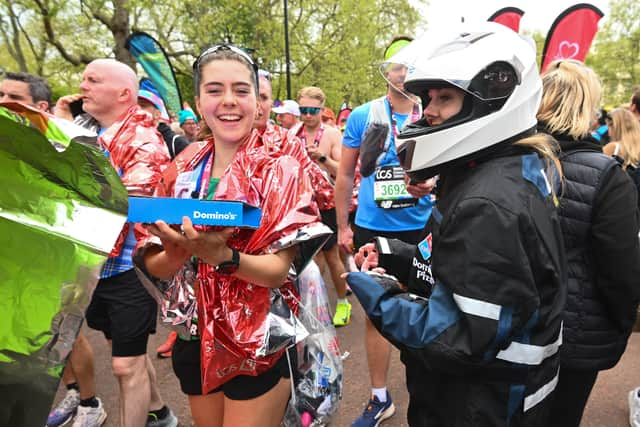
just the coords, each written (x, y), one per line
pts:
(17, 51)
(121, 30)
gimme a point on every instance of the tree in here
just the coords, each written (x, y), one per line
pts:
(338, 46)
(615, 55)
(15, 30)
(335, 44)
(539, 39)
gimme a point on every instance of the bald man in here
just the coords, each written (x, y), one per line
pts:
(108, 90)
(120, 306)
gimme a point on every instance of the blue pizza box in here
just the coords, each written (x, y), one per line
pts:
(205, 212)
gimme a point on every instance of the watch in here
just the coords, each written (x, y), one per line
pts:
(322, 158)
(231, 266)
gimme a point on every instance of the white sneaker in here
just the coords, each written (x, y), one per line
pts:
(634, 407)
(66, 409)
(90, 417)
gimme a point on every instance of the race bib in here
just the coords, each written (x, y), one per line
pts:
(389, 190)
(186, 184)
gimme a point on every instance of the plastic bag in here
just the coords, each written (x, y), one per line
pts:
(283, 329)
(318, 387)
(176, 297)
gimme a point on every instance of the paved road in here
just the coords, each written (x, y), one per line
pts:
(607, 406)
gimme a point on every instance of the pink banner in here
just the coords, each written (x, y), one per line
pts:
(571, 34)
(509, 17)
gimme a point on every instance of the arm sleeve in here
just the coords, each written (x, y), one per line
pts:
(485, 291)
(616, 251)
(395, 257)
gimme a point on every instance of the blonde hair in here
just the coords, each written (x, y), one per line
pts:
(313, 93)
(571, 94)
(625, 130)
(548, 148)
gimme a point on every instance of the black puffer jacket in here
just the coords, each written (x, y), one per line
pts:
(600, 221)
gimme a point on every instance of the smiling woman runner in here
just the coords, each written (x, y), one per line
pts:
(222, 364)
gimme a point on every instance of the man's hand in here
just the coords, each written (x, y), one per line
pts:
(314, 152)
(62, 106)
(345, 240)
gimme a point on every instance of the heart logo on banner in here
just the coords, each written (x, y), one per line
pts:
(567, 50)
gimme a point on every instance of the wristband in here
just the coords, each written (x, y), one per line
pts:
(231, 266)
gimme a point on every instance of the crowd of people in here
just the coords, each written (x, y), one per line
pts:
(495, 232)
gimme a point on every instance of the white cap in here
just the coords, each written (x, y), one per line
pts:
(288, 106)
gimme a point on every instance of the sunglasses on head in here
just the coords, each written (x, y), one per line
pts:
(310, 110)
(265, 74)
(221, 47)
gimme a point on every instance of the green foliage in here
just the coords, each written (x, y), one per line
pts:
(615, 52)
(539, 39)
(334, 44)
(615, 55)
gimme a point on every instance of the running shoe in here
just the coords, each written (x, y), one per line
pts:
(375, 412)
(343, 314)
(634, 407)
(88, 416)
(66, 409)
(170, 420)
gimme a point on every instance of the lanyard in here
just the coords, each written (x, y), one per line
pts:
(316, 140)
(203, 178)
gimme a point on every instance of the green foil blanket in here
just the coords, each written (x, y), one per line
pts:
(62, 207)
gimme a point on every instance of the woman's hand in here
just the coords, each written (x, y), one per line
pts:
(367, 259)
(180, 244)
(210, 246)
(419, 189)
(173, 252)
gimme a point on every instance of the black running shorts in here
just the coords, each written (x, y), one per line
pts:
(329, 219)
(185, 359)
(124, 311)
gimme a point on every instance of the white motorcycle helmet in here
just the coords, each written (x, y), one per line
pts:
(495, 68)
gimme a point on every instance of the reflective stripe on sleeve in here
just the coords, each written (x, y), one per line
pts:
(477, 307)
(384, 246)
(529, 354)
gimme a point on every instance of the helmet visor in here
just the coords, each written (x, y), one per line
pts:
(395, 74)
(495, 82)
